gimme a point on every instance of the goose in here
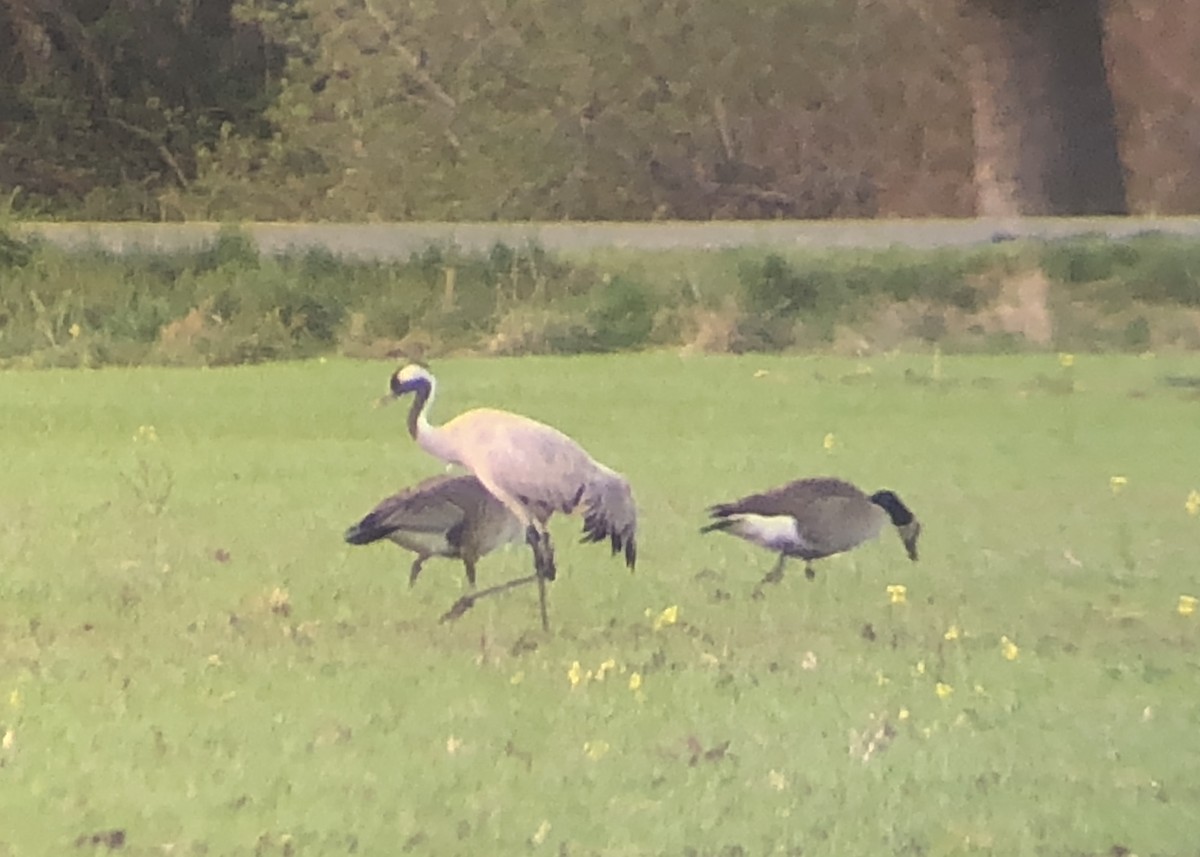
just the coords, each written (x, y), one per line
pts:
(533, 469)
(812, 519)
(450, 516)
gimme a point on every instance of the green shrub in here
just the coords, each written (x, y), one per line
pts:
(232, 250)
(1169, 275)
(622, 316)
(225, 303)
(1086, 259)
(774, 288)
(14, 252)
(1137, 334)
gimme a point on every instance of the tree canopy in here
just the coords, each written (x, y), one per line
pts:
(493, 109)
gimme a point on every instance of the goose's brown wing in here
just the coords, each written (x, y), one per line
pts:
(429, 507)
(789, 499)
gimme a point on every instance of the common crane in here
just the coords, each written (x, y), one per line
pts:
(533, 469)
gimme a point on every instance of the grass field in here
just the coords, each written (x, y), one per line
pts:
(193, 663)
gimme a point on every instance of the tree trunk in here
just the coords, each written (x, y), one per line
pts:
(1045, 133)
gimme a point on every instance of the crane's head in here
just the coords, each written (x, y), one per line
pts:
(413, 378)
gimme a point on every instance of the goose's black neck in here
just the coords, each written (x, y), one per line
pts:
(900, 514)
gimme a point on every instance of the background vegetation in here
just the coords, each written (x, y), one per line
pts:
(227, 304)
(605, 109)
(193, 663)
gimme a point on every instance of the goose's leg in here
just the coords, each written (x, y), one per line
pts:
(469, 564)
(773, 576)
(809, 571)
(415, 570)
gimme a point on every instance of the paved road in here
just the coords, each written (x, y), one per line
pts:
(399, 240)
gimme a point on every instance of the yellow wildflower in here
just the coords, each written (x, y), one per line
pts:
(517, 677)
(279, 602)
(777, 780)
(8, 740)
(829, 442)
(1192, 504)
(635, 681)
(608, 665)
(1009, 649)
(881, 679)
(1187, 605)
(539, 835)
(595, 750)
(761, 373)
(575, 674)
(669, 616)
(920, 668)
(943, 690)
(1117, 484)
(902, 714)
(1066, 360)
(453, 745)
(952, 633)
(14, 699)
(75, 330)
(146, 433)
(897, 593)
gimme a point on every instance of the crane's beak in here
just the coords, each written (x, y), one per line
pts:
(383, 400)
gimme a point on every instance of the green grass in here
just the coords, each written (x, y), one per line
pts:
(147, 685)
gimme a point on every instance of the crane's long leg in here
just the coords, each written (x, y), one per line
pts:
(541, 582)
(543, 555)
(543, 551)
(466, 602)
(538, 539)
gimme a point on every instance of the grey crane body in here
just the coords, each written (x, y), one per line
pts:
(814, 518)
(448, 516)
(533, 469)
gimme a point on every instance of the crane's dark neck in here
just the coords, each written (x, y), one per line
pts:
(900, 514)
(421, 396)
